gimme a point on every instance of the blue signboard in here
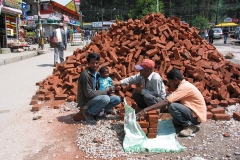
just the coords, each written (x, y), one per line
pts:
(72, 21)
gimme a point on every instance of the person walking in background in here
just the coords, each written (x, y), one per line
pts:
(71, 35)
(210, 35)
(87, 36)
(225, 34)
(61, 36)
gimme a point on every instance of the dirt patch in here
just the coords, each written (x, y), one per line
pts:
(61, 137)
(210, 142)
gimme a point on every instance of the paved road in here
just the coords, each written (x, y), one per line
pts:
(19, 135)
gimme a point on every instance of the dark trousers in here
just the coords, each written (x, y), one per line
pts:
(211, 39)
(182, 115)
(146, 100)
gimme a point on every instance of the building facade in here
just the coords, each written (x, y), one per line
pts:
(9, 13)
(51, 14)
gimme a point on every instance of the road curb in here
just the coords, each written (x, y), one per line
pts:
(18, 58)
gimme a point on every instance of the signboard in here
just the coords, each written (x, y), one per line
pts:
(72, 21)
(13, 3)
(96, 24)
(228, 19)
(71, 6)
(235, 20)
(77, 2)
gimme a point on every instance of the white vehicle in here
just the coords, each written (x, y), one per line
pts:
(217, 33)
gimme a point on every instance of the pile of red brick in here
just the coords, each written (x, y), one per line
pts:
(169, 42)
(149, 124)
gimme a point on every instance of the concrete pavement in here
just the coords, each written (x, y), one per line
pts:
(19, 135)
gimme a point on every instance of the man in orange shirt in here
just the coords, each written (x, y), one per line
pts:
(186, 104)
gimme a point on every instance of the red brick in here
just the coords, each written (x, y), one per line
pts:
(209, 107)
(41, 97)
(152, 135)
(34, 101)
(209, 115)
(223, 103)
(152, 52)
(221, 117)
(231, 101)
(145, 130)
(49, 96)
(70, 98)
(153, 124)
(144, 124)
(153, 118)
(236, 115)
(152, 130)
(165, 55)
(153, 112)
(214, 103)
(61, 96)
(217, 110)
(36, 107)
(169, 45)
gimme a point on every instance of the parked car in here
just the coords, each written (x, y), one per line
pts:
(217, 33)
(236, 33)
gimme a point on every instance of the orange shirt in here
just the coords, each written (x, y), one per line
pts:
(190, 96)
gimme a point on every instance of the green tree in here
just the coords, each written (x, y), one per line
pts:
(200, 22)
(145, 7)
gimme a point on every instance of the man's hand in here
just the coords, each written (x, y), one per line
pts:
(139, 115)
(138, 89)
(116, 83)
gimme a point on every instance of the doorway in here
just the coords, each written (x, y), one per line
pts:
(3, 40)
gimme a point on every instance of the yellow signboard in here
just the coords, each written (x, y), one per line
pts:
(71, 6)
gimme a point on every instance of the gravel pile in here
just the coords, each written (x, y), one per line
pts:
(104, 140)
(215, 140)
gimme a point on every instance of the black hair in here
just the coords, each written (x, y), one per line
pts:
(175, 73)
(103, 69)
(94, 56)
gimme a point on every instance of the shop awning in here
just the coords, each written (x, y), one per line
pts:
(228, 24)
(11, 10)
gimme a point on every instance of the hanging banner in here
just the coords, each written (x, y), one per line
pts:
(13, 3)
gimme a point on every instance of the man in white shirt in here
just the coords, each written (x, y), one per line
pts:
(152, 89)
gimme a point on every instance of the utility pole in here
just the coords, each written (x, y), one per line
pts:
(102, 18)
(157, 7)
(40, 40)
(217, 12)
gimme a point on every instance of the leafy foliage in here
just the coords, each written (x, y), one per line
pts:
(144, 7)
(187, 10)
(200, 22)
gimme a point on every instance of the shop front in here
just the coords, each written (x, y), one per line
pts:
(8, 23)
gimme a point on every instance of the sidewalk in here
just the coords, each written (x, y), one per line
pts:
(14, 57)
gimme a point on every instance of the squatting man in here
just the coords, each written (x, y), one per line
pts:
(185, 104)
